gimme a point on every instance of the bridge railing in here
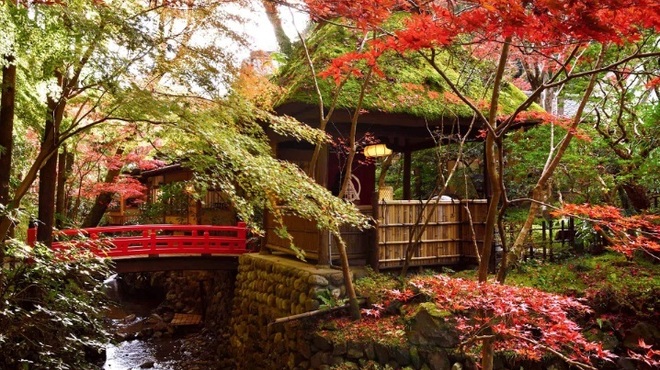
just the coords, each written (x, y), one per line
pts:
(133, 240)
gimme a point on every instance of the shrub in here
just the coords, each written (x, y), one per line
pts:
(51, 308)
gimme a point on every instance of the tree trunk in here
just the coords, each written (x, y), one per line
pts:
(46, 215)
(60, 205)
(493, 159)
(273, 16)
(637, 196)
(47, 187)
(354, 305)
(102, 200)
(48, 173)
(7, 105)
(538, 195)
(487, 353)
(45, 152)
(494, 167)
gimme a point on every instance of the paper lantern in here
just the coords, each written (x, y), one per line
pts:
(377, 150)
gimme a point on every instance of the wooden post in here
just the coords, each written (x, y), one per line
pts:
(407, 163)
(324, 246)
(374, 252)
(152, 240)
(461, 237)
(242, 235)
(324, 235)
(31, 235)
(549, 242)
(571, 231)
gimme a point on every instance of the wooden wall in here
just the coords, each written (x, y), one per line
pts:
(358, 242)
(306, 235)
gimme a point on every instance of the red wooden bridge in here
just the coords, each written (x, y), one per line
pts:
(137, 248)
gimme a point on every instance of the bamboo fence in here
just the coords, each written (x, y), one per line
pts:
(448, 237)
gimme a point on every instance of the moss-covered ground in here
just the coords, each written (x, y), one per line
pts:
(608, 281)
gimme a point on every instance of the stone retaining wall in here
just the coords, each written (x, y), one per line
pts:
(321, 353)
(207, 293)
(270, 287)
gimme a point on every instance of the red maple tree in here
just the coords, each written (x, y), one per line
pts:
(624, 234)
(521, 320)
(556, 32)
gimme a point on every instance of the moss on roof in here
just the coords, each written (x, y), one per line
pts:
(409, 84)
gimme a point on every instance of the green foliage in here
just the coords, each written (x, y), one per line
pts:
(225, 145)
(432, 169)
(330, 300)
(548, 277)
(374, 285)
(108, 64)
(527, 152)
(647, 171)
(623, 121)
(51, 308)
(173, 200)
(609, 282)
(408, 85)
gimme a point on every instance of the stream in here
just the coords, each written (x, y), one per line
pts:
(145, 340)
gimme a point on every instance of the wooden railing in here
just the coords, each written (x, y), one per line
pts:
(152, 240)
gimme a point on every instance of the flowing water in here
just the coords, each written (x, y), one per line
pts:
(132, 319)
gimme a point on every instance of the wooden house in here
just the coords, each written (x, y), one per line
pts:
(408, 109)
(172, 199)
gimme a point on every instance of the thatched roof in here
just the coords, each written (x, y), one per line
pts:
(408, 99)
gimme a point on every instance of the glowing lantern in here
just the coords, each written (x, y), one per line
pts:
(377, 150)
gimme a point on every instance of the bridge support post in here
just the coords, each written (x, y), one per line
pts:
(31, 235)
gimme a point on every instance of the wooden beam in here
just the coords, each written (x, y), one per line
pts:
(407, 163)
(324, 246)
(374, 251)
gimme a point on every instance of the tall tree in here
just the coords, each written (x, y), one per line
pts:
(96, 66)
(48, 172)
(626, 116)
(7, 108)
(7, 104)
